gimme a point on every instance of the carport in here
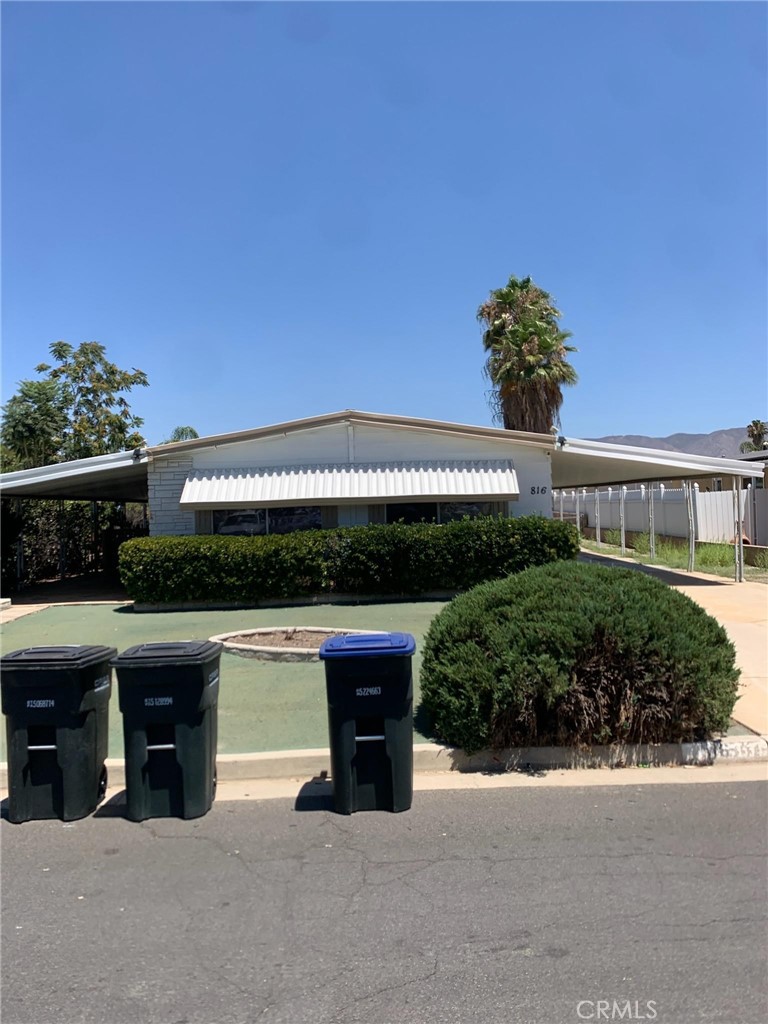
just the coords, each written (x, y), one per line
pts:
(582, 465)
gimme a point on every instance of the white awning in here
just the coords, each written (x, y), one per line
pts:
(491, 480)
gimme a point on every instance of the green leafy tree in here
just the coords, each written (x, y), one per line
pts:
(527, 362)
(78, 409)
(99, 418)
(34, 424)
(757, 434)
(181, 434)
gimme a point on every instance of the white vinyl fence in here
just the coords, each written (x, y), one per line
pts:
(714, 512)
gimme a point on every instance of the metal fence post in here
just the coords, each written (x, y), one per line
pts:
(597, 517)
(738, 538)
(651, 524)
(622, 494)
(688, 490)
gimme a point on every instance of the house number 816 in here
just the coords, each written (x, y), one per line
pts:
(538, 490)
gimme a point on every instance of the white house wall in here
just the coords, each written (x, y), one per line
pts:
(321, 445)
(388, 444)
(534, 474)
(338, 444)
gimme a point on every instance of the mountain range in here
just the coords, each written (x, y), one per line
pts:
(720, 443)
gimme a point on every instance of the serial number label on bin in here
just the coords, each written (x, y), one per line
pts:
(158, 702)
(368, 691)
(41, 703)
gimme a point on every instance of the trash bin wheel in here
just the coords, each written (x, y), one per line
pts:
(214, 782)
(103, 783)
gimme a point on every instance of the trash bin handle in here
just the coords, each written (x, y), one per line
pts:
(368, 739)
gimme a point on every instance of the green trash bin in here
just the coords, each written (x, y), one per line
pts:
(168, 695)
(56, 703)
(369, 683)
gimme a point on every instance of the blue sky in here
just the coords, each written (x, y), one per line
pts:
(278, 210)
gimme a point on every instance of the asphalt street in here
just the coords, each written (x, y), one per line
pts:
(546, 906)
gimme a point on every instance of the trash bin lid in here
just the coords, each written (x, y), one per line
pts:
(368, 645)
(188, 652)
(62, 656)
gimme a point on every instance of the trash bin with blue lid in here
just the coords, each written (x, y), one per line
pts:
(168, 695)
(56, 703)
(369, 685)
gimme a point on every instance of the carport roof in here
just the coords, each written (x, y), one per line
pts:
(575, 463)
(119, 477)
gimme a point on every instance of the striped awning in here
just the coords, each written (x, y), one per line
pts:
(249, 487)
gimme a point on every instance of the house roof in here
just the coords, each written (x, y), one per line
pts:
(575, 463)
(354, 416)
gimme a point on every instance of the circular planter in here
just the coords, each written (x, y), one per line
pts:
(281, 643)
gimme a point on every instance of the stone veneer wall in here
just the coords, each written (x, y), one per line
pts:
(166, 479)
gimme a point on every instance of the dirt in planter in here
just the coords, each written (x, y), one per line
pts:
(285, 638)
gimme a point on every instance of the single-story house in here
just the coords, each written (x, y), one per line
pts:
(351, 468)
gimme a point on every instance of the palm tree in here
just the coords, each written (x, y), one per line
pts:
(756, 432)
(527, 356)
(181, 434)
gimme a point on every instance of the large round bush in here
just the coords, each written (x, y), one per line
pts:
(570, 654)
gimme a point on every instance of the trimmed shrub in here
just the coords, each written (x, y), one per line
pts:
(395, 559)
(573, 654)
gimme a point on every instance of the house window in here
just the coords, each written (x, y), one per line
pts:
(452, 510)
(255, 522)
(299, 517)
(412, 512)
(249, 522)
(437, 512)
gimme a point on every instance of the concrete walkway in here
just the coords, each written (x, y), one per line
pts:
(742, 609)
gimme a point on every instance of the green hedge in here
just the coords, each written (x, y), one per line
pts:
(394, 559)
(573, 654)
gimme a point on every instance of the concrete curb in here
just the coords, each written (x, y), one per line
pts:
(431, 757)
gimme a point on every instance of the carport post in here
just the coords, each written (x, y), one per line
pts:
(738, 538)
(622, 494)
(688, 491)
(20, 566)
(597, 517)
(62, 541)
(651, 524)
(578, 517)
(95, 532)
